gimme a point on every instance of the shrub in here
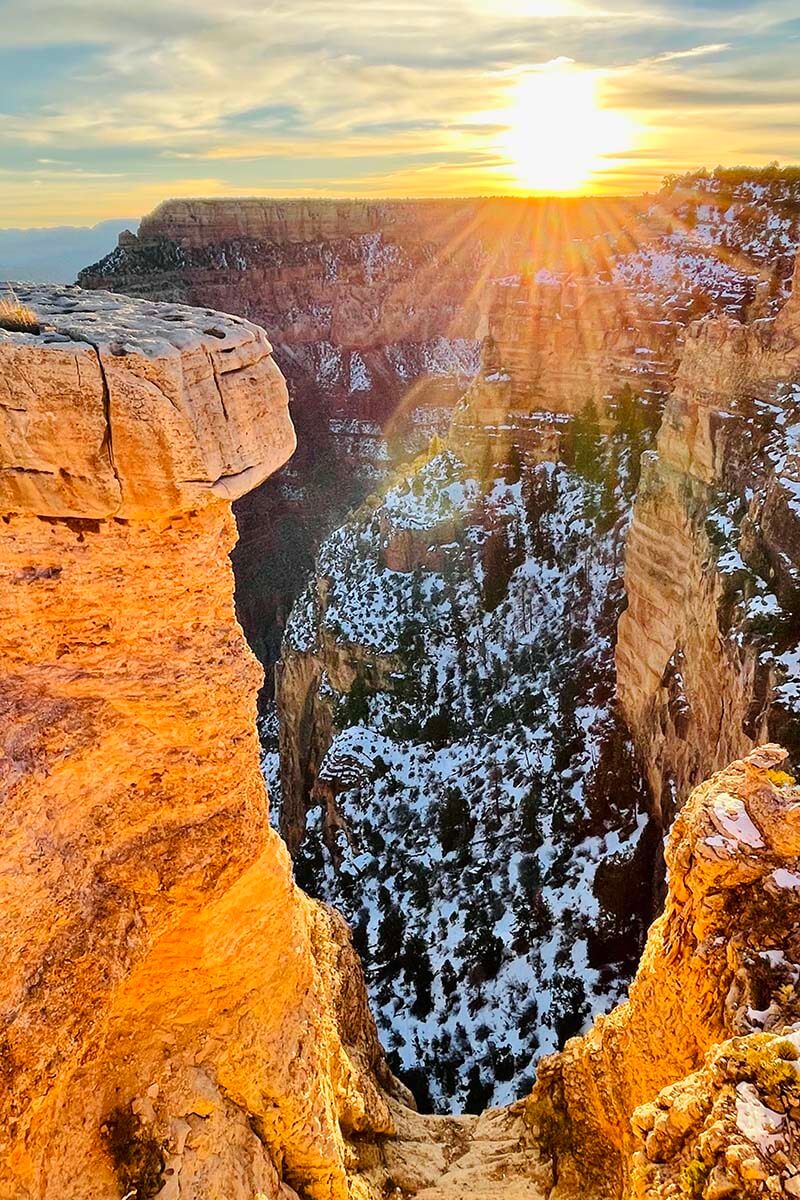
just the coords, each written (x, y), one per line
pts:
(769, 1064)
(695, 1177)
(550, 1126)
(781, 778)
(16, 317)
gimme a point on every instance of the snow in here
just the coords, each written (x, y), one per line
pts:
(759, 1124)
(378, 256)
(792, 488)
(359, 375)
(786, 880)
(775, 958)
(682, 270)
(764, 605)
(730, 814)
(439, 357)
(329, 364)
(451, 356)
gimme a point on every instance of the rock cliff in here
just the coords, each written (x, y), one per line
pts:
(176, 1018)
(691, 1087)
(375, 323)
(707, 646)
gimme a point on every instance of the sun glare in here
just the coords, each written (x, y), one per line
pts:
(558, 133)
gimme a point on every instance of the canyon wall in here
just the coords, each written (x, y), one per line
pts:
(707, 647)
(176, 1018)
(691, 1087)
(556, 345)
(376, 310)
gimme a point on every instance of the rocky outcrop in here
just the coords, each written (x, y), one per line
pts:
(708, 637)
(91, 429)
(691, 1086)
(556, 344)
(176, 1018)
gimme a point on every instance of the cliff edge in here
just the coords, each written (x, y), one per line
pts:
(176, 1018)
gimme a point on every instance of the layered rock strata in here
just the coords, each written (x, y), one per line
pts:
(556, 345)
(706, 655)
(377, 308)
(176, 1018)
(691, 1087)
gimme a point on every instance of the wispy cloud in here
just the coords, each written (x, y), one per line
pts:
(693, 52)
(329, 95)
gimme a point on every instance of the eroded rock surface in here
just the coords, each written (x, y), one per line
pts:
(123, 408)
(176, 1018)
(691, 1087)
(707, 650)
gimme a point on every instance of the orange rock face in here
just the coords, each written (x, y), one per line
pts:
(129, 409)
(718, 965)
(176, 1018)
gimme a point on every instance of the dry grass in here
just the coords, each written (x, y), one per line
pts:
(17, 317)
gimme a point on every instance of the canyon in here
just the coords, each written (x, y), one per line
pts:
(494, 647)
(377, 312)
(178, 1019)
(529, 591)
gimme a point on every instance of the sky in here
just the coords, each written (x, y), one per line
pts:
(109, 107)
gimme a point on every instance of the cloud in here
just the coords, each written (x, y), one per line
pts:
(282, 96)
(694, 52)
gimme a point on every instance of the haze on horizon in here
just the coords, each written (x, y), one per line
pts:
(107, 109)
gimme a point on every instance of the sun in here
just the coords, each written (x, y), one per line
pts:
(557, 132)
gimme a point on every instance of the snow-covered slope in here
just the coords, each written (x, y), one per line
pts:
(477, 814)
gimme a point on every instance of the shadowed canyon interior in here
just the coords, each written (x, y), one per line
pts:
(528, 583)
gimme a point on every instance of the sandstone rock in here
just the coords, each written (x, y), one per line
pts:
(634, 1103)
(135, 410)
(714, 526)
(558, 344)
(175, 1016)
